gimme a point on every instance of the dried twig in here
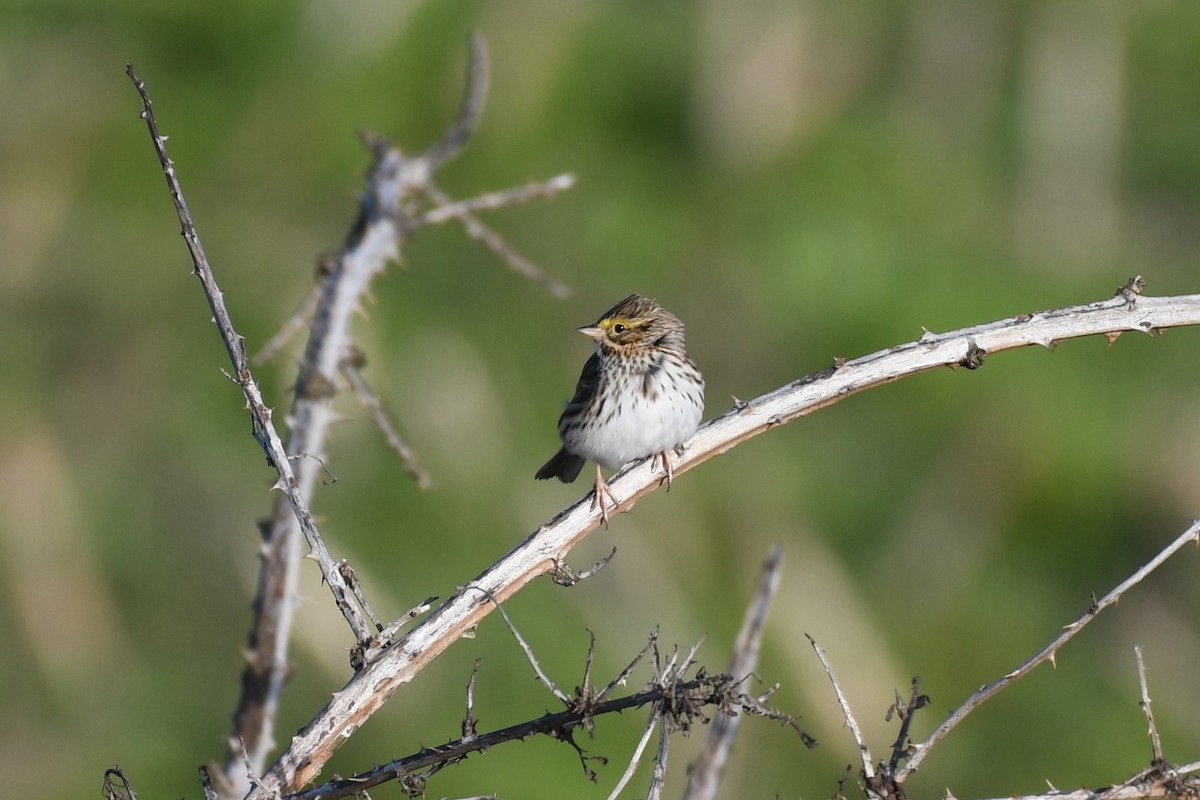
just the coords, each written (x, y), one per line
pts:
(706, 690)
(369, 401)
(707, 770)
(264, 429)
(116, 785)
(493, 241)
(392, 208)
(292, 327)
(471, 110)
(906, 711)
(1047, 653)
(564, 575)
(658, 778)
(549, 544)
(458, 209)
(525, 648)
(636, 758)
(470, 724)
(1155, 742)
(392, 628)
(864, 754)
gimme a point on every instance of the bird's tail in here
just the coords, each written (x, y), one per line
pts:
(562, 465)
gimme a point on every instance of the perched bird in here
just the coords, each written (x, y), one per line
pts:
(639, 395)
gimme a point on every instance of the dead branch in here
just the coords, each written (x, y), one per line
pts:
(392, 208)
(1047, 653)
(706, 771)
(700, 692)
(549, 545)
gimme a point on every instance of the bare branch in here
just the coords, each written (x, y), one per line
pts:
(1047, 653)
(537, 667)
(1155, 742)
(493, 241)
(495, 200)
(636, 759)
(864, 754)
(472, 107)
(369, 401)
(707, 770)
(292, 327)
(264, 429)
(703, 690)
(549, 544)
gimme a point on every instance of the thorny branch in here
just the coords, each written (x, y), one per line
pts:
(397, 202)
(689, 697)
(1156, 758)
(1047, 653)
(549, 545)
(706, 771)
(886, 780)
(263, 427)
(390, 213)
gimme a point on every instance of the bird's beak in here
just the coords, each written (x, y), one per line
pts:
(592, 332)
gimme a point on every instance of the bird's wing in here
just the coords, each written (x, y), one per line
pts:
(589, 381)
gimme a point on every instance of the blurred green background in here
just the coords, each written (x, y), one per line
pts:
(796, 180)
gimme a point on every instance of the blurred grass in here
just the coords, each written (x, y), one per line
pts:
(797, 181)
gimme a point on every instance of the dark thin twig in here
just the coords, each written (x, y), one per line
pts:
(708, 689)
(906, 711)
(623, 676)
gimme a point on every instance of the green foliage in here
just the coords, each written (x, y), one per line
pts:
(797, 182)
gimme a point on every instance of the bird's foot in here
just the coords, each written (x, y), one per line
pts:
(602, 491)
(664, 460)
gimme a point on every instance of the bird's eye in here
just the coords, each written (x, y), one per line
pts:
(618, 328)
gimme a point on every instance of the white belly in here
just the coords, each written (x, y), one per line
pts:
(642, 424)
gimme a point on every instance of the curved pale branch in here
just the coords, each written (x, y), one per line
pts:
(538, 554)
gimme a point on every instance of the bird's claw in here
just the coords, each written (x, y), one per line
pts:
(602, 491)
